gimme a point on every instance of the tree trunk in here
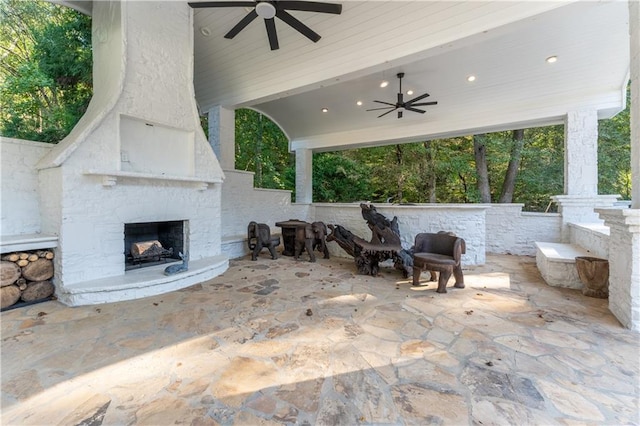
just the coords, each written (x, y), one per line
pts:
(259, 154)
(400, 181)
(431, 171)
(506, 196)
(480, 152)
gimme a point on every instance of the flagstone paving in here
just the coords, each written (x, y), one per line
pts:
(292, 342)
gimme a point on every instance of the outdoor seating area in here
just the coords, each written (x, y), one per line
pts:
(282, 342)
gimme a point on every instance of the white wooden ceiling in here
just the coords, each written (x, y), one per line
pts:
(437, 44)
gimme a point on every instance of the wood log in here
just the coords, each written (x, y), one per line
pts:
(21, 283)
(40, 270)
(23, 256)
(11, 257)
(48, 255)
(41, 253)
(33, 257)
(138, 249)
(22, 262)
(9, 295)
(37, 291)
(9, 273)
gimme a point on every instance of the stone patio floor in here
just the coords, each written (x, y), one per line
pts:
(293, 342)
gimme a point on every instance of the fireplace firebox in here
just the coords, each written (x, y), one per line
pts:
(159, 241)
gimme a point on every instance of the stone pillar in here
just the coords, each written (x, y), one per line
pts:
(581, 172)
(581, 153)
(222, 136)
(624, 264)
(304, 176)
(624, 224)
(634, 35)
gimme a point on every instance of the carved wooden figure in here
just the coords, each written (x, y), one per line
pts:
(259, 237)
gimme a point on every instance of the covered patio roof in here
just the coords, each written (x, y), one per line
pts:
(437, 44)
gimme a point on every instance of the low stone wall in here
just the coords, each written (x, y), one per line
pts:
(512, 231)
(20, 190)
(465, 220)
(242, 203)
(593, 237)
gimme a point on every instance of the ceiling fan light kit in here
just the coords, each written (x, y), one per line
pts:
(271, 9)
(400, 105)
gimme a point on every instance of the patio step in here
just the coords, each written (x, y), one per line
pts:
(556, 263)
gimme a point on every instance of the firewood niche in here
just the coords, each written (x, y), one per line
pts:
(25, 278)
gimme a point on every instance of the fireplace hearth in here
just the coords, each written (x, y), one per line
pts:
(152, 243)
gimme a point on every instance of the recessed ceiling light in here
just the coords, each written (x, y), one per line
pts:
(385, 83)
(551, 59)
(409, 92)
(359, 103)
(205, 31)
(325, 109)
(471, 78)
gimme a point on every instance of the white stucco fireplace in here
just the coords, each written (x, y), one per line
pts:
(138, 156)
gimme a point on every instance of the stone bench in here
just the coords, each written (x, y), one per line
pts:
(557, 263)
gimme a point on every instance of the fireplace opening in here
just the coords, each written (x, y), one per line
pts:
(152, 243)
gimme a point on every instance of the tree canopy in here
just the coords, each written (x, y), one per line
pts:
(45, 72)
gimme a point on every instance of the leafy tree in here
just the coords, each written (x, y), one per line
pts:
(45, 73)
(261, 147)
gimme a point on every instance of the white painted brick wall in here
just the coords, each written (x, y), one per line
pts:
(592, 237)
(466, 220)
(511, 231)
(242, 203)
(19, 197)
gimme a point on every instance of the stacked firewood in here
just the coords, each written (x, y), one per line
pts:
(26, 276)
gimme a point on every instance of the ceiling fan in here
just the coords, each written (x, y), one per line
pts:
(401, 104)
(274, 8)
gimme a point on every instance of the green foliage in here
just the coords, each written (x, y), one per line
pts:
(45, 74)
(261, 147)
(614, 154)
(337, 178)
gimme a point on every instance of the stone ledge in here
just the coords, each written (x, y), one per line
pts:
(11, 243)
(140, 283)
(556, 263)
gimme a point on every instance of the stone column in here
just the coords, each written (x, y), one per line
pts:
(304, 176)
(634, 30)
(581, 172)
(222, 136)
(624, 264)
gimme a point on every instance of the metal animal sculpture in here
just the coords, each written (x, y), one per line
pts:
(181, 267)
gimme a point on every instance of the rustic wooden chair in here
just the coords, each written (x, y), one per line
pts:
(439, 252)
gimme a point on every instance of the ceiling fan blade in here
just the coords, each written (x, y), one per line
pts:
(414, 109)
(271, 32)
(399, 114)
(418, 98)
(297, 25)
(424, 103)
(240, 25)
(386, 103)
(309, 6)
(382, 115)
(222, 4)
(378, 109)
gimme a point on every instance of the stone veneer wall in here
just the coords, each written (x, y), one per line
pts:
(592, 237)
(465, 220)
(19, 196)
(242, 203)
(512, 231)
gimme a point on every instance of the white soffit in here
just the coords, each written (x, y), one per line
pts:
(437, 44)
